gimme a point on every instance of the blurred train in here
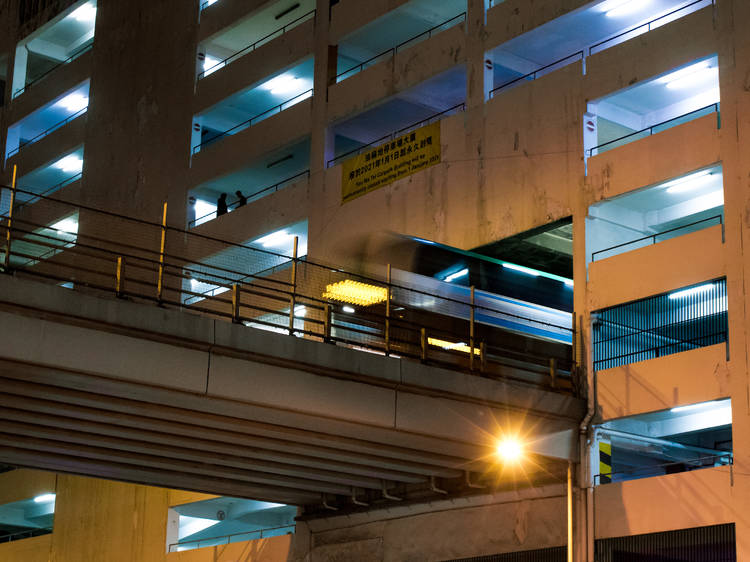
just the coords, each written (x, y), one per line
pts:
(520, 310)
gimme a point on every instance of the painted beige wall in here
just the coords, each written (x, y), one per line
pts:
(117, 522)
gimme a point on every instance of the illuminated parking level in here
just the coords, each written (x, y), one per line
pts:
(681, 439)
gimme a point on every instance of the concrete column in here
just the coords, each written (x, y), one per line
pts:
(19, 69)
(475, 67)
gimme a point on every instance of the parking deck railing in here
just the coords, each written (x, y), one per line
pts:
(658, 128)
(104, 253)
(70, 59)
(262, 41)
(47, 131)
(255, 119)
(401, 46)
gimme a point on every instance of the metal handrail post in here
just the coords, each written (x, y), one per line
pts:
(292, 297)
(118, 277)
(236, 303)
(471, 330)
(388, 312)
(10, 219)
(327, 323)
(160, 280)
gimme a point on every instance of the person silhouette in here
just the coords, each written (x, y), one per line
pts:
(241, 199)
(221, 205)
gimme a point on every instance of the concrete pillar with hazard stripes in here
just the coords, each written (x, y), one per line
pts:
(605, 460)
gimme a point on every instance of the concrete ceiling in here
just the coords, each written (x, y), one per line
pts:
(258, 98)
(424, 100)
(255, 176)
(50, 114)
(574, 32)
(256, 26)
(395, 27)
(41, 179)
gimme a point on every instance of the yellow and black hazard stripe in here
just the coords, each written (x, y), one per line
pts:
(605, 462)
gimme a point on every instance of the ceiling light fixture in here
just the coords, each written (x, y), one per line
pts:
(283, 84)
(619, 8)
(70, 163)
(521, 269)
(691, 291)
(456, 275)
(74, 102)
(689, 182)
(85, 13)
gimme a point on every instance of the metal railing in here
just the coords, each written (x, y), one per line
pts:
(598, 47)
(393, 50)
(541, 71)
(257, 44)
(50, 190)
(645, 27)
(47, 131)
(29, 533)
(249, 122)
(252, 197)
(663, 126)
(681, 320)
(71, 58)
(662, 469)
(653, 237)
(149, 262)
(234, 537)
(390, 136)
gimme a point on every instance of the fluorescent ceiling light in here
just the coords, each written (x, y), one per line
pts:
(68, 225)
(283, 84)
(522, 269)
(691, 291)
(456, 275)
(300, 310)
(619, 8)
(275, 239)
(568, 282)
(348, 309)
(689, 182)
(689, 76)
(74, 102)
(210, 65)
(191, 525)
(85, 13)
(689, 407)
(45, 498)
(70, 163)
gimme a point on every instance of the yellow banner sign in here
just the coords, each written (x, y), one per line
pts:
(390, 161)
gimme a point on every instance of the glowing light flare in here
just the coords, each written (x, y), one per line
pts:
(284, 84)
(66, 226)
(45, 498)
(276, 239)
(355, 292)
(456, 275)
(74, 102)
(620, 8)
(690, 407)
(453, 346)
(691, 291)
(509, 450)
(86, 13)
(70, 163)
(348, 309)
(522, 269)
(211, 65)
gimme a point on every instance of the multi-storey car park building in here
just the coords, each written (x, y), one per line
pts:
(537, 213)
